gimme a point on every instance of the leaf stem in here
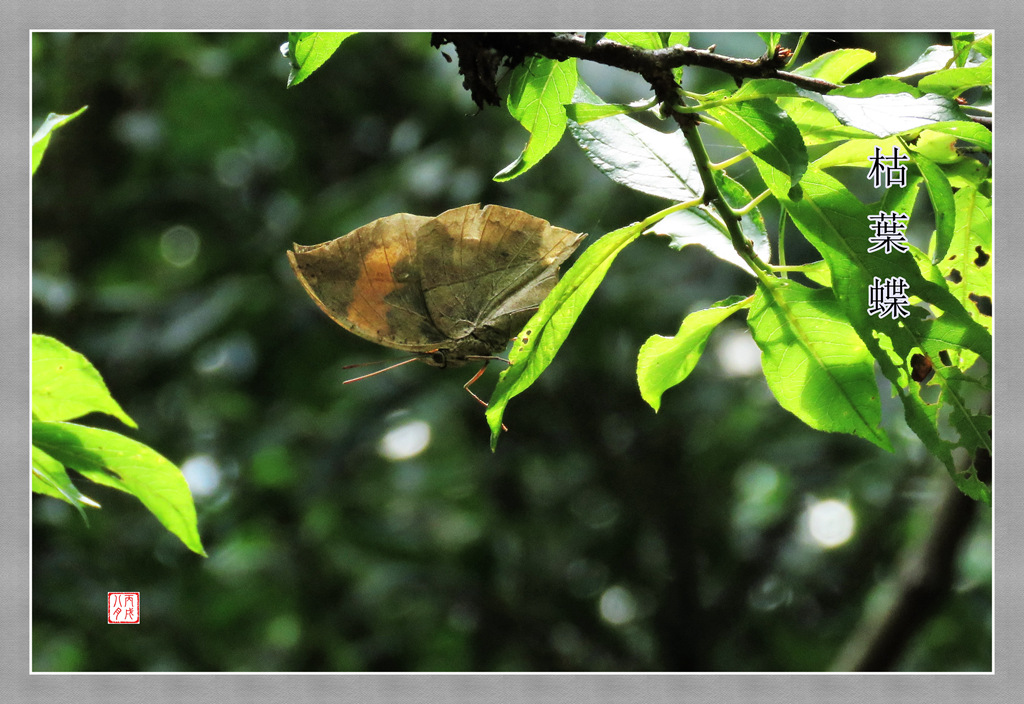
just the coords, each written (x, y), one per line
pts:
(652, 220)
(782, 241)
(745, 154)
(753, 203)
(796, 51)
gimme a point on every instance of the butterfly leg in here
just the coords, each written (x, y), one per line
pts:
(470, 391)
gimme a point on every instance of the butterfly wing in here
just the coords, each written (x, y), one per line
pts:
(489, 268)
(369, 282)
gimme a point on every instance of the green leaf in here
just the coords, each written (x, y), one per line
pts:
(982, 45)
(543, 335)
(889, 114)
(703, 226)
(116, 461)
(678, 39)
(967, 264)
(307, 51)
(818, 272)
(970, 132)
(770, 39)
(641, 40)
(50, 478)
(41, 139)
(856, 153)
(941, 195)
(954, 81)
(540, 89)
(834, 221)
(814, 361)
(936, 146)
(815, 122)
(884, 85)
(66, 386)
(937, 58)
(592, 38)
(879, 106)
(900, 198)
(836, 66)
(934, 58)
(768, 132)
(664, 362)
(962, 42)
(765, 88)
(657, 163)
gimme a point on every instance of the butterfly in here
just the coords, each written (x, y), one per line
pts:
(450, 289)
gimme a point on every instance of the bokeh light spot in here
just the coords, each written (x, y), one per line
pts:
(830, 523)
(202, 474)
(405, 441)
(179, 246)
(617, 606)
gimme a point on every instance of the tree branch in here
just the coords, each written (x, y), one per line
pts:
(924, 583)
(480, 54)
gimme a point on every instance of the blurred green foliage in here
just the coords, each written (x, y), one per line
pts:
(369, 527)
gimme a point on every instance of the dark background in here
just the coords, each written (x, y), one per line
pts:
(599, 537)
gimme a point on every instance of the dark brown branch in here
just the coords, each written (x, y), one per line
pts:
(480, 54)
(646, 61)
(924, 583)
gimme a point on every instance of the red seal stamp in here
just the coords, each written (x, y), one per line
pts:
(122, 607)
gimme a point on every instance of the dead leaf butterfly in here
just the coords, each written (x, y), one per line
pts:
(450, 289)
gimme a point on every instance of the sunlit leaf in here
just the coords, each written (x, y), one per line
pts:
(767, 131)
(65, 385)
(50, 478)
(889, 114)
(116, 461)
(952, 82)
(543, 335)
(41, 139)
(770, 39)
(641, 40)
(636, 156)
(664, 362)
(962, 42)
(703, 226)
(941, 195)
(814, 361)
(834, 221)
(868, 88)
(836, 66)
(982, 45)
(936, 58)
(967, 264)
(540, 89)
(307, 51)
(970, 132)
(936, 146)
(856, 153)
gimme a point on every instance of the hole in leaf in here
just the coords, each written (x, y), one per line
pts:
(944, 357)
(982, 259)
(984, 304)
(954, 276)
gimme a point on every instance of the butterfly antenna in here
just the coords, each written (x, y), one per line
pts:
(379, 371)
